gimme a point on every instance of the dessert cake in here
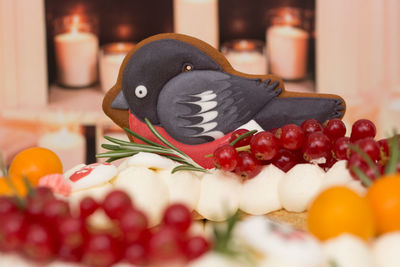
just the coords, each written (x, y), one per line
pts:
(223, 169)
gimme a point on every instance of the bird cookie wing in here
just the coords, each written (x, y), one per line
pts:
(200, 106)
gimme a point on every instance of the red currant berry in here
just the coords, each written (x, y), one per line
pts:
(328, 164)
(311, 126)
(38, 244)
(165, 245)
(136, 254)
(12, 230)
(43, 193)
(291, 137)
(362, 129)
(88, 206)
(335, 129)
(132, 224)
(384, 148)
(317, 146)
(72, 232)
(248, 166)
(101, 250)
(274, 131)
(355, 160)
(178, 216)
(285, 160)
(54, 210)
(369, 146)
(236, 134)
(196, 246)
(264, 145)
(7, 206)
(70, 254)
(225, 158)
(116, 203)
(341, 148)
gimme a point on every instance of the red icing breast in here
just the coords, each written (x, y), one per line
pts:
(196, 152)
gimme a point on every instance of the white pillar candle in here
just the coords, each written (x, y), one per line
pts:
(244, 57)
(70, 147)
(76, 54)
(287, 51)
(111, 58)
(197, 18)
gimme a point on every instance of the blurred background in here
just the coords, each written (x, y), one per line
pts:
(58, 58)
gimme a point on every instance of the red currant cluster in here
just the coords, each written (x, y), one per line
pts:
(43, 228)
(362, 135)
(293, 144)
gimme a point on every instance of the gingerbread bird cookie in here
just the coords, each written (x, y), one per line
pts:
(195, 99)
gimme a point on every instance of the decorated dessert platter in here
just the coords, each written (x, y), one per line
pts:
(222, 169)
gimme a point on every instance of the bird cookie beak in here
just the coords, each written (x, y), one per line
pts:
(120, 102)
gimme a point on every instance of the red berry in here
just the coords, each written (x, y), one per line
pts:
(136, 254)
(328, 164)
(116, 203)
(264, 145)
(384, 147)
(101, 250)
(291, 137)
(248, 166)
(178, 216)
(88, 206)
(285, 160)
(317, 146)
(43, 193)
(362, 129)
(165, 245)
(311, 126)
(225, 158)
(54, 210)
(132, 224)
(236, 134)
(355, 160)
(7, 206)
(369, 146)
(38, 244)
(341, 148)
(195, 247)
(72, 232)
(335, 129)
(34, 208)
(12, 230)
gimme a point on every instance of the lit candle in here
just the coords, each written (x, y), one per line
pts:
(197, 18)
(246, 56)
(70, 147)
(111, 58)
(76, 56)
(287, 50)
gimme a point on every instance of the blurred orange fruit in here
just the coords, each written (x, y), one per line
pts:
(34, 163)
(384, 198)
(340, 210)
(18, 183)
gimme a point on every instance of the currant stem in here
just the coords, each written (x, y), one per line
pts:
(238, 149)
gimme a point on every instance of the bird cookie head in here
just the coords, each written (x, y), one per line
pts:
(195, 99)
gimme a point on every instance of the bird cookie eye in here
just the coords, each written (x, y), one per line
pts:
(141, 91)
(187, 67)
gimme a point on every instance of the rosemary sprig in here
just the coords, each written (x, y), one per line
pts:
(121, 149)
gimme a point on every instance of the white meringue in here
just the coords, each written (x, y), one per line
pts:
(219, 195)
(348, 251)
(259, 195)
(299, 186)
(386, 250)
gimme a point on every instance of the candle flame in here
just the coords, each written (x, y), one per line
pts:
(75, 24)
